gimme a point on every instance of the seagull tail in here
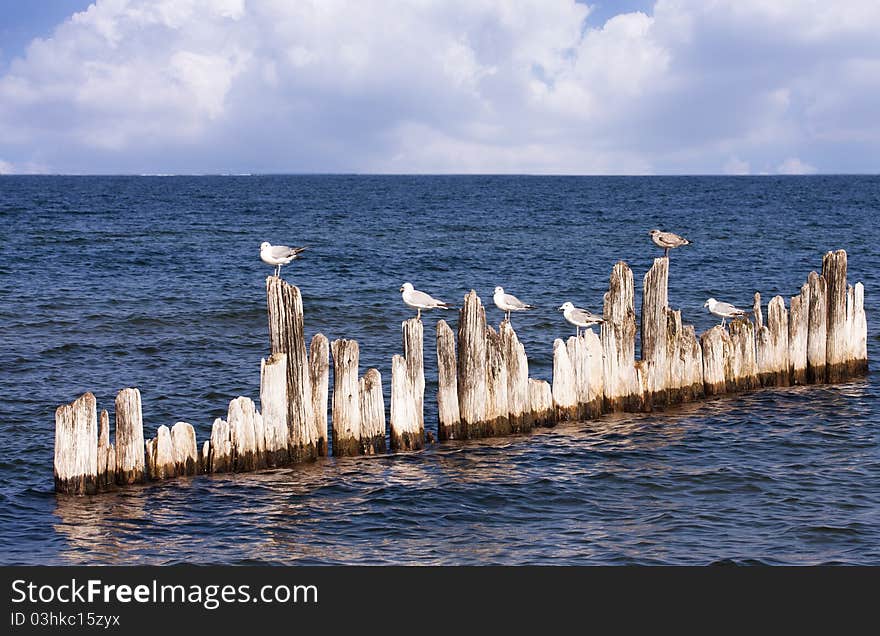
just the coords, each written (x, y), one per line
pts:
(530, 307)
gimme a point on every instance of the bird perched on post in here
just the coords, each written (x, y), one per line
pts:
(667, 240)
(508, 302)
(579, 317)
(278, 255)
(724, 310)
(420, 300)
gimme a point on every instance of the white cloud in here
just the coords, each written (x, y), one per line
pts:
(6, 167)
(736, 166)
(440, 86)
(793, 165)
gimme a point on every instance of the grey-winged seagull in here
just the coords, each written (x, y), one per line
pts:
(420, 300)
(278, 255)
(724, 310)
(579, 317)
(667, 240)
(508, 302)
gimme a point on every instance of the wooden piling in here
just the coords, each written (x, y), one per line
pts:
(106, 453)
(372, 404)
(693, 387)
(287, 335)
(186, 452)
(245, 453)
(656, 343)
(771, 345)
(76, 447)
(740, 365)
(564, 383)
(406, 434)
(220, 457)
(449, 419)
(859, 332)
(273, 406)
(413, 344)
(346, 398)
(514, 354)
(541, 403)
(622, 388)
(798, 328)
(472, 366)
(319, 376)
(130, 453)
(160, 455)
(496, 421)
(713, 343)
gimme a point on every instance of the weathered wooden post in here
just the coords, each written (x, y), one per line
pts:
(655, 332)
(372, 413)
(514, 354)
(817, 334)
(76, 447)
(564, 383)
(449, 419)
(346, 398)
(693, 365)
(319, 376)
(472, 366)
(219, 460)
(798, 327)
(186, 452)
(287, 335)
(622, 390)
(413, 338)
(860, 332)
(713, 344)
(406, 433)
(246, 448)
(741, 369)
(130, 452)
(772, 345)
(273, 406)
(839, 321)
(160, 455)
(106, 453)
(541, 403)
(497, 421)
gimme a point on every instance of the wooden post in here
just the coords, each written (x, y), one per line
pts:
(205, 457)
(160, 455)
(287, 335)
(372, 405)
(449, 419)
(106, 454)
(837, 340)
(514, 354)
(186, 451)
(346, 399)
(713, 345)
(220, 457)
(692, 382)
(655, 345)
(541, 403)
(859, 332)
(472, 361)
(772, 345)
(622, 389)
(241, 418)
(76, 447)
(413, 339)
(319, 376)
(817, 337)
(564, 384)
(273, 406)
(497, 421)
(406, 433)
(130, 453)
(798, 327)
(741, 369)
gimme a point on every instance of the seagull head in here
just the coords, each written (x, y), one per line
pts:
(406, 287)
(265, 245)
(499, 289)
(653, 232)
(566, 306)
(710, 302)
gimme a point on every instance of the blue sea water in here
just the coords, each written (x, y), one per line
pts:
(155, 282)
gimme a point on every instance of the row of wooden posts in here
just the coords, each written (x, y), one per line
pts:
(484, 388)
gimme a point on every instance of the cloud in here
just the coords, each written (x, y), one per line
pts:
(447, 86)
(793, 165)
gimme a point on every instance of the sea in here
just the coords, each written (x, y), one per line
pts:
(155, 282)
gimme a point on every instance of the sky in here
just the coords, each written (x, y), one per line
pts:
(440, 86)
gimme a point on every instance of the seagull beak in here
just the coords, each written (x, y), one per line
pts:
(560, 308)
(401, 289)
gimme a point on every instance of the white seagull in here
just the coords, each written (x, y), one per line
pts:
(667, 240)
(278, 255)
(509, 302)
(420, 300)
(724, 310)
(579, 317)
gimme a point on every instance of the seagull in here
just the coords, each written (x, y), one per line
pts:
(278, 255)
(667, 240)
(724, 310)
(420, 300)
(509, 302)
(579, 317)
